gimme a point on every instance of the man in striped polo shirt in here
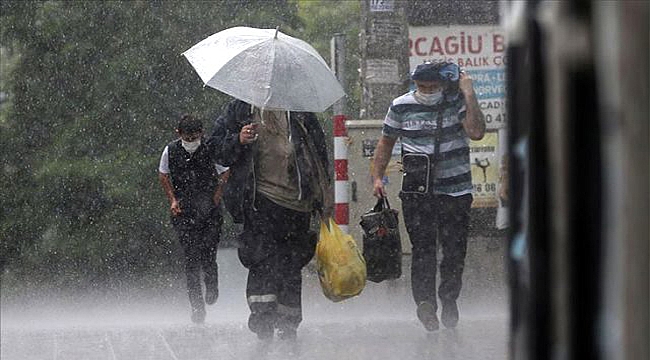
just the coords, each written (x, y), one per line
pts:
(435, 123)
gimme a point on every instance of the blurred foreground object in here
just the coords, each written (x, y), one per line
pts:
(578, 94)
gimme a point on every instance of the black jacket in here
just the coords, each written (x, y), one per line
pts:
(240, 189)
(194, 179)
(191, 173)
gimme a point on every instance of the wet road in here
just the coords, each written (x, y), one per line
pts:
(379, 324)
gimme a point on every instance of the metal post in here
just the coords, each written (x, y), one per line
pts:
(341, 185)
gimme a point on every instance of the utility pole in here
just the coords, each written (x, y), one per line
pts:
(341, 184)
(384, 76)
(385, 57)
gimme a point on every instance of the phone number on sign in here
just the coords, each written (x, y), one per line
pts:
(487, 188)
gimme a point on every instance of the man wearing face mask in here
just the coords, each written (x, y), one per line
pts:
(435, 123)
(193, 185)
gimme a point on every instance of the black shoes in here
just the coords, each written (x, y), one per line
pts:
(198, 315)
(427, 315)
(449, 314)
(211, 279)
(262, 325)
(211, 294)
(198, 307)
(287, 333)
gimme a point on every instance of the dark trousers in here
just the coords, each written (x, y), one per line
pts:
(429, 219)
(275, 245)
(199, 244)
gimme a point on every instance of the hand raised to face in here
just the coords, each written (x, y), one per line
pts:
(465, 83)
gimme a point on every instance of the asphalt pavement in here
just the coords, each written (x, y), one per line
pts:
(379, 324)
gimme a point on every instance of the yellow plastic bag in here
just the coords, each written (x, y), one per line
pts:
(341, 267)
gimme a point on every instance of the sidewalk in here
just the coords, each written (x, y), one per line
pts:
(378, 324)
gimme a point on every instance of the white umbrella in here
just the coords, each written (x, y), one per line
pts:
(266, 68)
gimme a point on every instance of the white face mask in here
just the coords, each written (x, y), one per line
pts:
(429, 99)
(191, 146)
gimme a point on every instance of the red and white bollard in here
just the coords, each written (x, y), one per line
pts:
(341, 185)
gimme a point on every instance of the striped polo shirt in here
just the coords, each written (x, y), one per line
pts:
(416, 125)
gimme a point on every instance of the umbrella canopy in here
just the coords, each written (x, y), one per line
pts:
(266, 68)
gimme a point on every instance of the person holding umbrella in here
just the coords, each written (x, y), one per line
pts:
(275, 147)
(279, 177)
(193, 185)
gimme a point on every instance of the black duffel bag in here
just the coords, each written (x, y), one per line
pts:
(382, 247)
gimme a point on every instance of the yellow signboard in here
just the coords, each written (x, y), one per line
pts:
(485, 169)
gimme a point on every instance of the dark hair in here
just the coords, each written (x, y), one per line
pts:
(189, 124)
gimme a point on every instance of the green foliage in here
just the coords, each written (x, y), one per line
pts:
(94, 89)
(322, 19)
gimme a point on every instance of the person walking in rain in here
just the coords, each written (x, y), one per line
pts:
(193, 183)
(435, 123)
(279, 176)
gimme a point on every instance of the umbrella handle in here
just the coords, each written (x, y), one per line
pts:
(277, 29)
